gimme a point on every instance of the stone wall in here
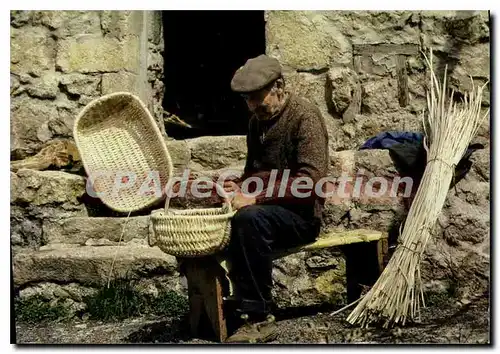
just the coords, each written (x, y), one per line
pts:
(61, 60)
(365, 70)
(57, 241)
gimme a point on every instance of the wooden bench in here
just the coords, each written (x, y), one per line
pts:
(366, 253)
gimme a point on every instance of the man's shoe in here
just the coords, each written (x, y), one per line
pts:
(260, 332)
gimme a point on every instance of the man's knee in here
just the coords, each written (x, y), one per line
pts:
(248, 214)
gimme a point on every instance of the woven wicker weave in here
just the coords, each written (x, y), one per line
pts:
(116, 133)
(192, 232)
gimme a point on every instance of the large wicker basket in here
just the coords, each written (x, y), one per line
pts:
(116, 135)
(192, 232)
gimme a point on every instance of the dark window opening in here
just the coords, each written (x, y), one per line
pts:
(203, 49)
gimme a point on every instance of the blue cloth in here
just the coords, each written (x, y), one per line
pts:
(387, 139)
(409, 155)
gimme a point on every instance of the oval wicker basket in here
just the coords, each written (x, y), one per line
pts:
(116, 135)
(192, 232)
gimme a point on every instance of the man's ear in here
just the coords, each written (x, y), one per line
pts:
(280, 83)
(280, 86)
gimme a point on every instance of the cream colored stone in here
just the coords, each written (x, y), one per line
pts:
(180, 153)
(305, 40)
(380, 96)
(28, 117)
(81, 229)
(120, 24)
(93, 53)
(31, 50)
(121, 81)
(89, 264)
(46, 187)
(45, 87)
(371, 27)
(72, 23)
(215, 152)
(80, 84)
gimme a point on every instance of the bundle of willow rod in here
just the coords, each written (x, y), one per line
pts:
(397, 294)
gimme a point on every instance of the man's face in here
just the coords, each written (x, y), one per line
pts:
(263, 103)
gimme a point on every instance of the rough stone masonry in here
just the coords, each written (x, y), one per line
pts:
(363, 69)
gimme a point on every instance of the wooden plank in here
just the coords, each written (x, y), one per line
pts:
(361, 268)
(205, 294)
(195, 312)
(195, 296)
(382, 253)
(214, 303)
(402, 80)
(336, 238)
(385, 48)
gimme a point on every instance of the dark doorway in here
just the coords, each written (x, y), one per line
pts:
(203, 49)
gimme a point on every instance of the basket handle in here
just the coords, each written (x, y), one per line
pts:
(219, 189)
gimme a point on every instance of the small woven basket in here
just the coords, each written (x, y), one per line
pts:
(192, 232)
(118, 139)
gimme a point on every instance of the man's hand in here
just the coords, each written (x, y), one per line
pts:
(241, 200)
(230, 186)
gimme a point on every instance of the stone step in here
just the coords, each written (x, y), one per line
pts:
(86, 230)
(91, 265)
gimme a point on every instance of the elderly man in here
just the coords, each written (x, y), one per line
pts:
(287, 141)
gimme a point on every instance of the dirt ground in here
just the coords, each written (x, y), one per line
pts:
(451, 324)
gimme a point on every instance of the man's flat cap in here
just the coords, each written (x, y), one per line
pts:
(256, 74)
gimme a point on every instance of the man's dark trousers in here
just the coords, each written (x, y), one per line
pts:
(257, 231)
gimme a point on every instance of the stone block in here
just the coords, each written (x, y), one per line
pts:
(342, 84)
(366, 126)
(216, 152)
(374, 27)
(291, 40)
(308, 86)
(19, 18)
(72, 23)
(380, 96)
(50, 291)
(155, 26)
(32, 50)
(76, 85)
(25, 231)
(473, 61)
(94, 53)
(443, 29)
(90, 265)
(79, 230)
(180, 153)
(374, 163)
(29, 119)
(46, 187)
(46, 86)
(342, 162)
(120, 81)
(309, 278)
(481, 164)
(121, 24)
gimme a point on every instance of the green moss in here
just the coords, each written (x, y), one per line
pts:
(37, 309)
(121, 301)
(117, 302)
(436, 298)
(331, 285)
(450, 295)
